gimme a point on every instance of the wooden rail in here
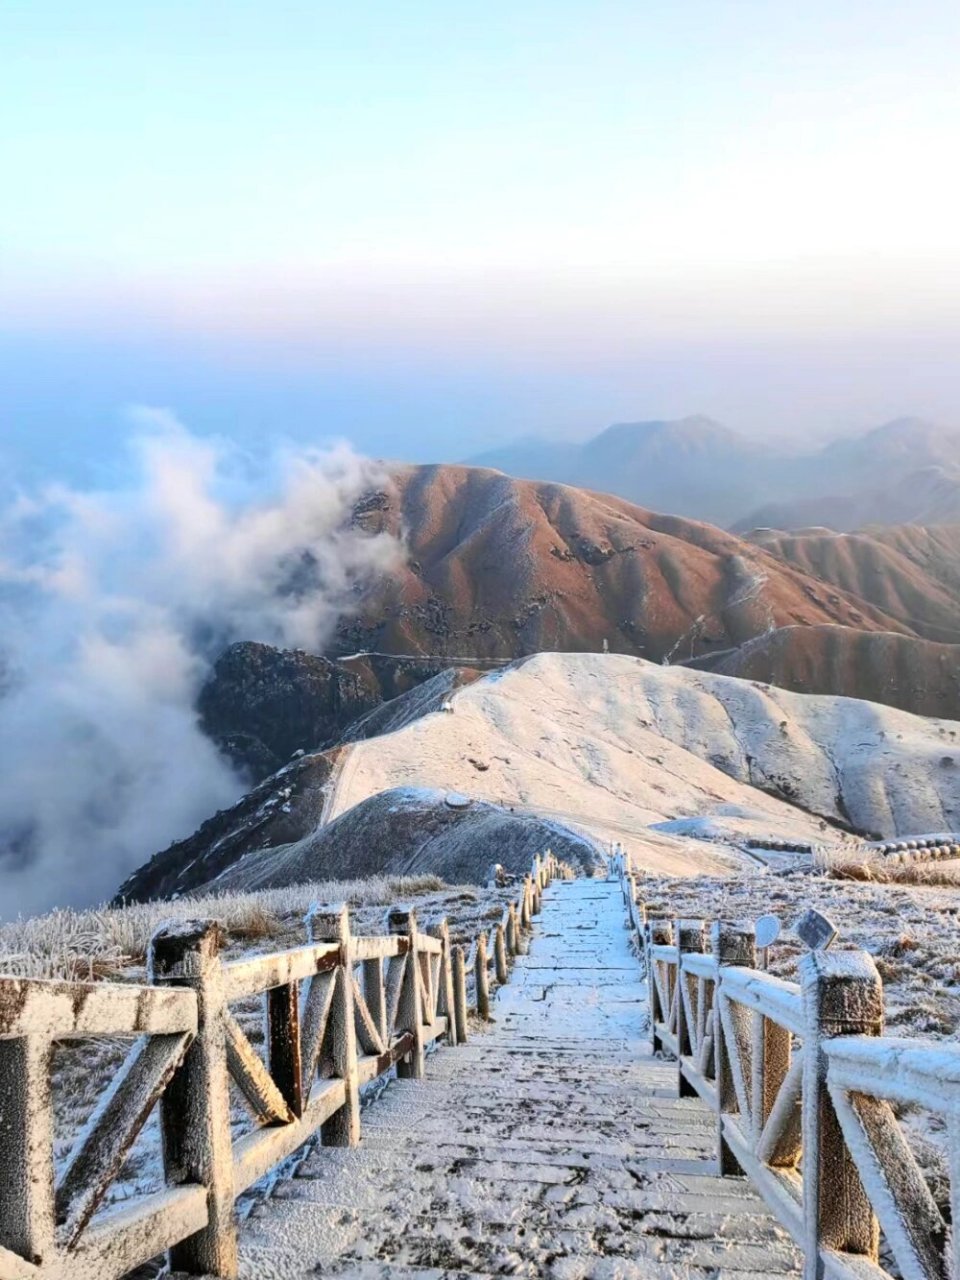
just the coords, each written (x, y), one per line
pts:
(804, 1086)
(339, 1012)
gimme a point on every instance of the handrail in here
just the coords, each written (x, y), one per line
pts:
(802, 1080)
(339, 1012)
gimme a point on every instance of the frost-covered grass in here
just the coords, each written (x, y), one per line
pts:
(109, 941)
(866, 864)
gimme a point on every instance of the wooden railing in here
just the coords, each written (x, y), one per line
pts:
(339, 1011)
(804, 1086)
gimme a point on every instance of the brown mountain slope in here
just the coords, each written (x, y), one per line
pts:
(499, 568)
(900, 671)
(909, 572)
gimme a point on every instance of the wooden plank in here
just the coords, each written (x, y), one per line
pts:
(738, 1044)
(313, 1022)
(124, 1238)
(378, 948)
(368, 1034)
(45, 1007)
(250, 977)
(100, 1150)
(779, 1143)
(252, 1078)
(409, 1006)
(911, 1222)
(256, 1153)
(396, 972)
(481, 980)
(13, 1267)
(374, 995)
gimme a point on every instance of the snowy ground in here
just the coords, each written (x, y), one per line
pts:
(614, 745)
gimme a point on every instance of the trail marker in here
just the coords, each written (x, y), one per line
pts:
(815, 931)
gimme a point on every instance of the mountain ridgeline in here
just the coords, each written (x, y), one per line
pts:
(906, 471)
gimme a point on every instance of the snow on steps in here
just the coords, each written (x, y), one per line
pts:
(550, 1145)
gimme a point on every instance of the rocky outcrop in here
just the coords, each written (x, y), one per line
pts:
(262, 705)
(285, 808)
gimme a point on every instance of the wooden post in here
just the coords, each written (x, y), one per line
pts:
(27, 1212)
(659, 934)
(842, 996)
(513, 931)
(690, 937)
(500, 955)
(343, 1127)
(410, 1010)
(460, 994)
(283, 1043)
(525, 904)
(195, 1107)
(481, 979)
(732, 945)
(446, 1003)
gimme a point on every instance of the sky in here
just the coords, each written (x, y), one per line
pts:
(430, 228)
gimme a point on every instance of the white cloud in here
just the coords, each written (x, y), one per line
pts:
(116, 602)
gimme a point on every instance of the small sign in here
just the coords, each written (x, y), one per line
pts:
(815, 930)
(767, 930)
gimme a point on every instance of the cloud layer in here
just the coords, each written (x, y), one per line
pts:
(114, 604)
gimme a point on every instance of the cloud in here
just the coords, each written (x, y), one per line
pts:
(114, 604)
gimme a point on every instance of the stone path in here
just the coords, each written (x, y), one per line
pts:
(551, 1145)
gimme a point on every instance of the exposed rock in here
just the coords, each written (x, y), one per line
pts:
(263, 704)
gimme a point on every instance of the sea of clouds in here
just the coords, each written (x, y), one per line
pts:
(114, 603)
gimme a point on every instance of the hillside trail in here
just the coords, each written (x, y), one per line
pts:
(552, 1144)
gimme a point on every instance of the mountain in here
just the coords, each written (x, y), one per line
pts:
(907, 470)
(898, 671)
(605, 747)
(693, 466)
(408, 831)
(909, 572)
(261, 705)
(497, 568)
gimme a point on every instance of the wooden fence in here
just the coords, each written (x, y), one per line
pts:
(339, 1012)
(805, 1087)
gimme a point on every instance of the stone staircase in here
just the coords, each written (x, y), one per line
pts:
(552, 1145)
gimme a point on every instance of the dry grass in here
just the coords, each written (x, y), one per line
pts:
(875, 868)
(104, 942)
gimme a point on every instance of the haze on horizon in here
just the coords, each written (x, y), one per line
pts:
(432, 230)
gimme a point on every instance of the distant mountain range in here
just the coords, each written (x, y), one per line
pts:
(906, 471)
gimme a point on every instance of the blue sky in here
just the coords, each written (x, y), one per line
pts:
(432, 226)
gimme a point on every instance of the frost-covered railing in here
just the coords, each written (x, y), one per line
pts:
(338, 1012)
(804, 1086)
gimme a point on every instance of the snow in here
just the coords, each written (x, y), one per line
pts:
(630, 751)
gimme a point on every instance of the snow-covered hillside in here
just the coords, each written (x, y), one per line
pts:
(612, 747)
(616, 744)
